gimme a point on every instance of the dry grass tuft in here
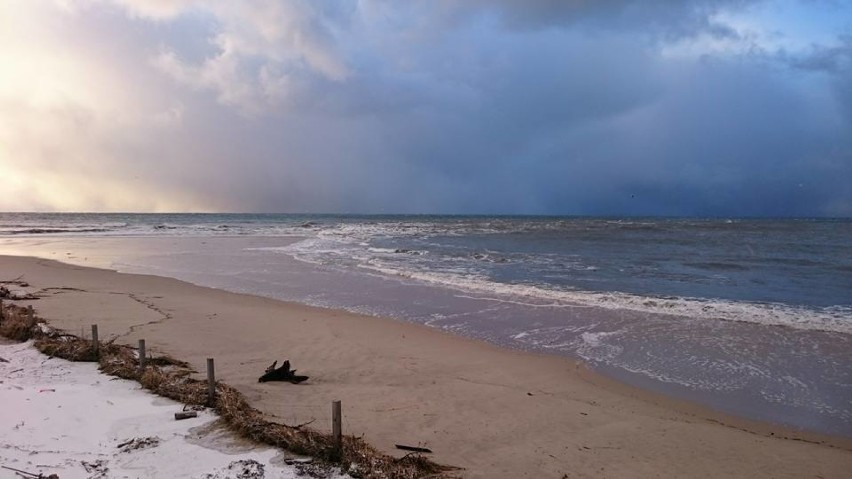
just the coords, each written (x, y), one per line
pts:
(169, 378)
(16, 324)
(67, 347)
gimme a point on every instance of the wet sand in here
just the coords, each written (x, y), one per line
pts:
(494, 412)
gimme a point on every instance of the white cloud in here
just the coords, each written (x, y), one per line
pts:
(224, 74)
(253, 40)
(156, 9)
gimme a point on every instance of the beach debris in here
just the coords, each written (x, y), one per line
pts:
(137, 443)
(298, 460)
(315, 470)
(185, 415)
(6, 293)
(97, 469)
(30, 474)
(170, 378)
(283, 373)
(4, 360)
(242, 469)
(299, 426)
(412, 448)
(17, 281)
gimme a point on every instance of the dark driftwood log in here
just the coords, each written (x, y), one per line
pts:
(412, 448)
(284, 373)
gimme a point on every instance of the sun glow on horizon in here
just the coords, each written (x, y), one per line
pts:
(68, 115)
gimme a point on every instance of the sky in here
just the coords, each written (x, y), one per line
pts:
(570, 107)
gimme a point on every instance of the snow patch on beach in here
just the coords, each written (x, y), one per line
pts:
(65, 418)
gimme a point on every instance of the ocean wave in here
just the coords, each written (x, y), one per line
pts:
(423, 228)
(407, 251)
(833, 319)
(41, 231)
(460, 271)
(717, 266)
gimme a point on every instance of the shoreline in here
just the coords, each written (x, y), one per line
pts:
(736, 375)
(393, 385)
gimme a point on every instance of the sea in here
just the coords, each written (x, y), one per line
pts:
(751, 317)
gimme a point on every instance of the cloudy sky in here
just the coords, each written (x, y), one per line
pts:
(634, 107)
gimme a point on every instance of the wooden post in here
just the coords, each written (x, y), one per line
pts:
(95, 343)
(2, 311)
(141, 356)
(30, 313)
(211, 382)
(336, 428)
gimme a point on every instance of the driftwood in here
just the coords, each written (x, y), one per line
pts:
(412, 448)
(283, 373)
(185, 415)
(30, 474)
(18, 281)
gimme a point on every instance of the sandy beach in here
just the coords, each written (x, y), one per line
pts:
(492, 412)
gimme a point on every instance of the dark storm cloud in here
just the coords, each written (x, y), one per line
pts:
(667, 17)
(555, 107)
(546, 119)
(835, 59)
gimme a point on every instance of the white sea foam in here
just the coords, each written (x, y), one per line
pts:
(332, 247)
(594, 339)
(836, 319)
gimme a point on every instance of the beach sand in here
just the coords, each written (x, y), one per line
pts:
(493, 412)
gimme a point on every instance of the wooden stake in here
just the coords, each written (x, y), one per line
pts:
(2, 311)
(211, 381)
(95, 343)
(141, 356)
(30, 312)
(336, 427)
